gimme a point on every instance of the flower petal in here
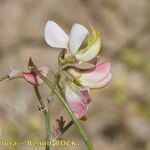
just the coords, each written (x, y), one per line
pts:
(104, 82)
(100, 84)
(77, 35)
(77, 100)
(34, 79)
(80, 67)
(55, 36)
(79, 109)
(100, 72)
(92, 49)
(87, 97)
(97, 78)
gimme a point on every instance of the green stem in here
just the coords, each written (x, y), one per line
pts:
(39, 97)
(4, 77)
(68, 109)
(46, 116)
(48, 132)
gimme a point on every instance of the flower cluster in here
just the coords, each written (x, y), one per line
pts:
(81, 69)
(80, 48)
(79, 63)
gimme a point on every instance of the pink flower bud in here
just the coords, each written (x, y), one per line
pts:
(33, 78)
(78, 99)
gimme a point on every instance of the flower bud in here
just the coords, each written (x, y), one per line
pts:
(33, 78)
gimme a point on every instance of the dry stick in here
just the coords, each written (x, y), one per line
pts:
(62, 131)
(67, 107)
(46, 116)
(67, 127)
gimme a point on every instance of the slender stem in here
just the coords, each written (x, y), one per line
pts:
(4, 77)
(39, 97)
(68, 109)
(52, 91)
(48, 132)
(46, 116)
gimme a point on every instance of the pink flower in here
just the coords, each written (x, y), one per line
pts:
(78, 99)
(34, 79)
(97, 78)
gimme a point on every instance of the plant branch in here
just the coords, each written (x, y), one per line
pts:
(39, 97)
(46, 116)
(67, 107)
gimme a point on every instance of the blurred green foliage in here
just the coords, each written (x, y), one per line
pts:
(135, 60)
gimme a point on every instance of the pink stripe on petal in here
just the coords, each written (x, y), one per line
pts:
(86, 96)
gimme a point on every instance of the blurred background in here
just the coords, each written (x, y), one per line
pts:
(119, 116)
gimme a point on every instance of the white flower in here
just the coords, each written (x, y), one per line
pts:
(56, 37)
